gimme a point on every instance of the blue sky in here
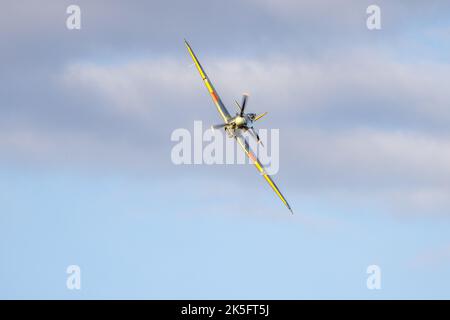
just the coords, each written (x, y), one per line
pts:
(86, 176)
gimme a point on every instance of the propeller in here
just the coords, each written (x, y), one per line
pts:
(255, 135)
(244, 102)
(218, 126)
(239, 109)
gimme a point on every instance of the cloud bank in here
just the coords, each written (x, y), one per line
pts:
(359, 114)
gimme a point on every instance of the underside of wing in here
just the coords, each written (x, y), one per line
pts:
(244, 145)
(219, 105)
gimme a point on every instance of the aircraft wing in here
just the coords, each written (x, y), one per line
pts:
(219, 105)
(244, 145)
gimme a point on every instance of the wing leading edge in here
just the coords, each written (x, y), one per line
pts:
(244, 145)
(219, 105)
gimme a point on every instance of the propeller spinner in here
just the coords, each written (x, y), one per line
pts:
(242, 120)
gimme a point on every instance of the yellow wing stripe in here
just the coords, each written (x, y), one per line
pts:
(197, 64)
(208, 86)
(274, 187)
(225, 115)
(262, 171)
(251, 156)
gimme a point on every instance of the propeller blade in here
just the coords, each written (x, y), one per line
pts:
(238, 107)
(244, 102)
(255, 135)
(260, 116)
(218, 126)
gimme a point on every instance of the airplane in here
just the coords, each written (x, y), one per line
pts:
(234, 126)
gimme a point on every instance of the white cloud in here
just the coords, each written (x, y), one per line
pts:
(362, 84)
(370, 158)
(393, 158)
(131, 88)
